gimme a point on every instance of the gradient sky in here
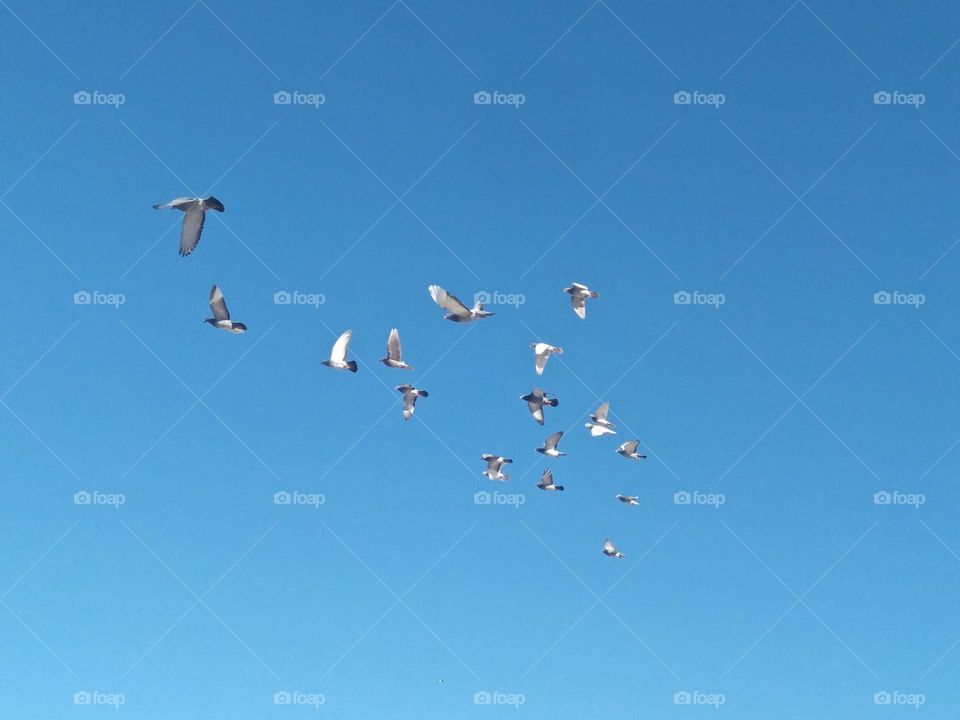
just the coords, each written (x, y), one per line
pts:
(795, 202)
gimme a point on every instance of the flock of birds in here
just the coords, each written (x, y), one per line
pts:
(195, 210)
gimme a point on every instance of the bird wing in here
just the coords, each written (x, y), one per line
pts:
(536, 410)
(448, 302)
(551, 442)
(602, 411)
(597, 430)
(192, 227)
(409, 401)
(580, 286)
(218, 304)
(542, 351)
(339, 352)
(579, 307)
(394, 350)
(547, 477)
(493, 463)
(631, 446)
(608, 546)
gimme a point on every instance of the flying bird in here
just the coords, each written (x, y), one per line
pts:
(458, 312)
(610, 550)
(394, 353)
(536, 400)
(221, 316)
(598, 430)
(195, 210)
(546, 482)
(410, 395)
(600, 417)
(338, 355)
(629, 450)
(494, 463)
(550, 445)
(628, 499)
(578, 298)
(543, 351)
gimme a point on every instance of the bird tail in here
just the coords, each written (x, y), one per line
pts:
(423, 393)
(552, 403)
(504, 477)
(560, 488)
(212, 202)
(594, 294)
(352, 366)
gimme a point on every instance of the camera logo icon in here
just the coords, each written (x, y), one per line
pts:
(82, 698)
(282, 297)
(282, 697)
(682, 298)
(282, 97)
(682, 498)
(82, 98)
(682, 97)
(882, 498)
(882, 698)
(282, 498)
(82, 498)
(882, 98)
(882, 298)
(482, 498)
(82, 297)
(482, 697)
(682, 697)
(482, 97)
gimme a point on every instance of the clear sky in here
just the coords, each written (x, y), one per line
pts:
(814, 166)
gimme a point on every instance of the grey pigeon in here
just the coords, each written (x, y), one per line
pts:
(494, 463)
(221, 316)
(546, 482)
(535, 402)
(458, 312)
(550, 445)
(394, 357)
(610, 550)
(338, 355)
(628, 499)
(195, 210)
(410, 395)
(629, 450)
(578, 297)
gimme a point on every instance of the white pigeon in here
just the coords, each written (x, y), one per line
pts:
(610, 550)
(546, 482)
(410, 395)
(628, 499)
(600, 416)
(550, 445)
(535, 402)
(221, 316)
(338, 355)
(394, 357)
(494, 463)
(195, 210)
(598, 430)
(578, 297)
(629, 450)
(459, 312)
(543, 351)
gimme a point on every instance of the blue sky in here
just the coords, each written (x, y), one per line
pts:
(816, 572)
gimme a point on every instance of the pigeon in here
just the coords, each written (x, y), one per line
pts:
(494, 463)
(598, 430)
(629, 450)
(410, 395)
(195, 210)
(543, 351)
(550, 445)
(459, 312)
(394, 352)
(600, 417)
(610, 550)
(221, 316)
(338, 355)
(578, 296)
(628, 499)
(536, 400)
(546, 482)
